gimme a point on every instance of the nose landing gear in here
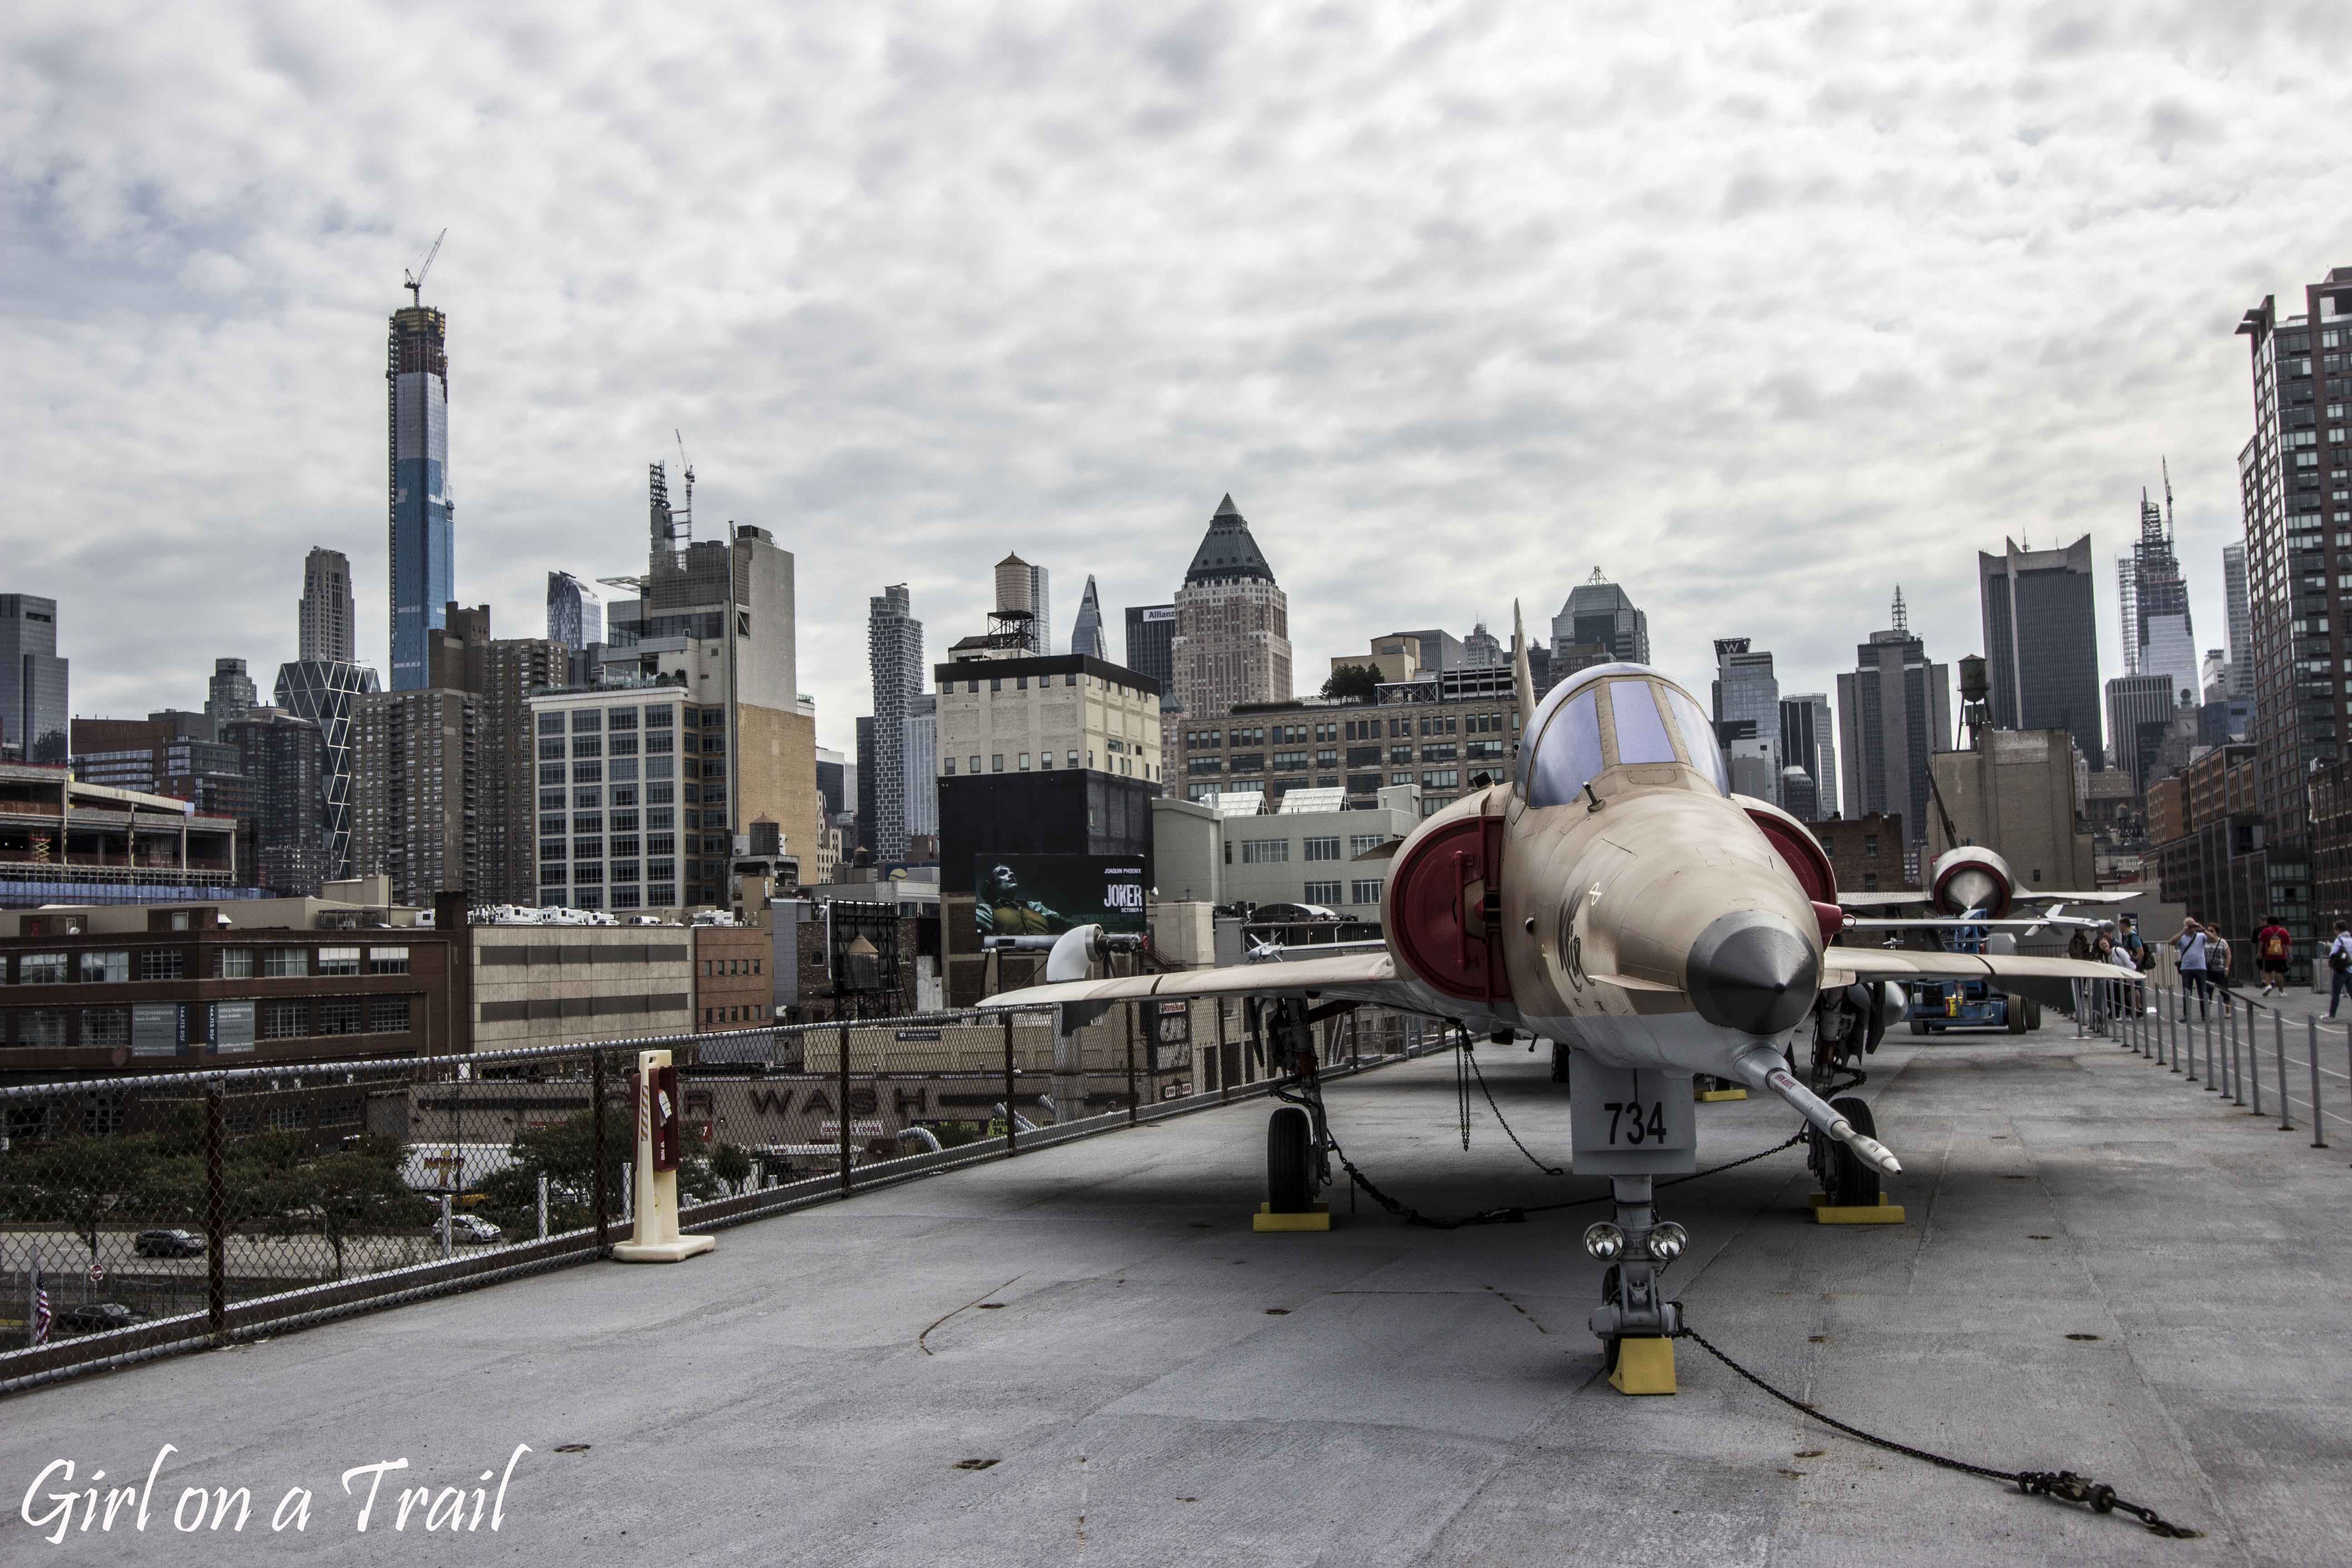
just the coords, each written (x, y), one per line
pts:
(1635, 1323)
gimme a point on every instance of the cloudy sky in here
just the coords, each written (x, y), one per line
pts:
(1761, 309)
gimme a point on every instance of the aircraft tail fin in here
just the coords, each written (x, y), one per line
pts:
(1523, 685)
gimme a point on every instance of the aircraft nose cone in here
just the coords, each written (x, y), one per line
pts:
(1751, 971)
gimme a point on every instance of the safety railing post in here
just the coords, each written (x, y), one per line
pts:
(1131, 1108)
(2238, 1054)
(597, 1126)
(2208, 1021)
(2171, 1032)
(216, 1218)
(1224, 1079)
(2278, 1059)
(1012, 1120)
(2318, 1124)
(848, 1181)
(2254, 1061)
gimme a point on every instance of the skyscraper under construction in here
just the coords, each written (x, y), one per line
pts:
(423, 542)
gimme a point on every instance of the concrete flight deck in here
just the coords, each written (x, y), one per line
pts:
(1159, 1385)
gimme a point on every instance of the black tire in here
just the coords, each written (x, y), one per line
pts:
(2032, 1014)
(1290, 1161)
(1850, 1181)
(2016, 1011)
(1558, 1062)
(1918, 1026)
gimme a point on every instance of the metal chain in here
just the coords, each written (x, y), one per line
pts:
(1512, 1213)
(1471, 1057)
(2064, 1486)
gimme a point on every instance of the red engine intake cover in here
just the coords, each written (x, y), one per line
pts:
(1803, 855)
(1445, 908)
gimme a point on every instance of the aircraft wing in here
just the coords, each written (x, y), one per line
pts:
(2045, 980)
(1919, 896)
(1370, 977)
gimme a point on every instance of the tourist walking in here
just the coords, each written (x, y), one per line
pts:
(2188, 954)
(2273, 945)
(2340, 961)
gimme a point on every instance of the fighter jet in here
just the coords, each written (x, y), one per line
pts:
(1616, 899)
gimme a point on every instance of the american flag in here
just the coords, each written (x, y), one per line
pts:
(42, 1316)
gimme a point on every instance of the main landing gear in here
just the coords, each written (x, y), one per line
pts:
(1297, 1142)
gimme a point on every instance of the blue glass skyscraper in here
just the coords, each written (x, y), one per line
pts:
(424, 542)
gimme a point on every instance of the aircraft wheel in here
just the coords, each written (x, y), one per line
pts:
(2033, 1014)
(2017, 1019)
(1290, 1161)
(1852, 1183)
(1558, 1062)
(1918, 1026)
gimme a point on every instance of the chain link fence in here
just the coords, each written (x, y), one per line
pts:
(144, 1216)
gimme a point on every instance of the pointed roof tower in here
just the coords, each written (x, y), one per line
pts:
(1227, 550)
(1087, 637)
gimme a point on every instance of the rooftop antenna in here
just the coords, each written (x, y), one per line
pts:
(415, 282)
(1902, 620)
(2166, 464)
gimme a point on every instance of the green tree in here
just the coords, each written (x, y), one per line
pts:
(1353, 683)
(353, 1190)
(84, 1184)
(731, 1165)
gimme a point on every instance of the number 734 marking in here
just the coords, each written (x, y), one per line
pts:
(1628, 1125)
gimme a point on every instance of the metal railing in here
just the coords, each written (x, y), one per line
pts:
(2243, 1048)
(142, 1215)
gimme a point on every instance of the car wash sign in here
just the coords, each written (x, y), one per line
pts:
(1045, 895)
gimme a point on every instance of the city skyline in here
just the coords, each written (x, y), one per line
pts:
(1972, 419)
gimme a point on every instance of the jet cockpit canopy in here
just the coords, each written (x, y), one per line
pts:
(1614, 715)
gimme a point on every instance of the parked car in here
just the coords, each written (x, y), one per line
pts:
(469, 1230)
(97, 1317)
(168, 1244)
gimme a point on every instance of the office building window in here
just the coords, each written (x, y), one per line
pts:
(620, 719)
(1365, 843)
(586, 721)
(1323, 849)
(282, 962)
(947, 766)
(1322, 892)
(587, 773)
(996, 763)
(1264, 851)
(387, 961)
(1365, 891)
(551, 723)
(1073, 761)
(285, 1020)
(1045, 760)
(660, 718)
(1024, 763)
(234, 963)
(106, 1026)
(339, 961)
(586, 746)
(42, 968)
(339, 1015)
(98, 967)
(388, 1016)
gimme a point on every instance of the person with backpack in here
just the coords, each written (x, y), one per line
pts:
(2216, 962)
(2340, 961)
(2273, 945)
(2188, 955)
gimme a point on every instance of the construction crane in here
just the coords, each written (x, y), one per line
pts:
(687, 467)
(415, 282)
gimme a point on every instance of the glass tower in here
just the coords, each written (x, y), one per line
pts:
(423, 542)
